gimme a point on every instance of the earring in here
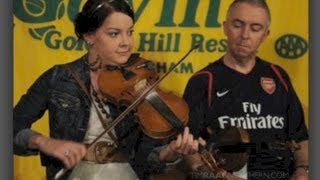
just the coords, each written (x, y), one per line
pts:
(95, 65)
(89, 43)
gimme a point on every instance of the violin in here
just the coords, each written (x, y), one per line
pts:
(134, 86)
(163, 114)
(145, 86)
(225, 156)
(138, 86)
(230, 147)
(160, 114)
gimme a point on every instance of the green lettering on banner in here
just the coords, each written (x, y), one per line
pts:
(197, 39)
(172, 65)
(190, 14)
(37, 11)
(168, 9)
(37, 33)
(211, 45)
(168, 42)
(161, 41)
(140, 9)
(162, 67)
(176, 44)
(69, 43)
(208, 45)
(186, 68)
(51, 41)
(81, 45)
(223, 47)
(212, 15)
(73, 9)
(167, 14)
(144, 41)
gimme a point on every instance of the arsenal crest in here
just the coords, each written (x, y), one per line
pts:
(268, 85)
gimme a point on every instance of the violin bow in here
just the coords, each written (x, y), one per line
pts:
(59, 174)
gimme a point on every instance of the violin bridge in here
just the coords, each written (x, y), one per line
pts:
(140, 85)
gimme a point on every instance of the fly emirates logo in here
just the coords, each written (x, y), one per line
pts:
(252, 119)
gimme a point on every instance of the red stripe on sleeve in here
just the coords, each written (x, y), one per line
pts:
(279, 76)
(210, 76)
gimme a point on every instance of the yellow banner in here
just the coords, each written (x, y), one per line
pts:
(165, 30)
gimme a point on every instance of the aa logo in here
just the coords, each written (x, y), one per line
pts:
(291, 46)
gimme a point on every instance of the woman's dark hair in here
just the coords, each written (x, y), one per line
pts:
(94, 12)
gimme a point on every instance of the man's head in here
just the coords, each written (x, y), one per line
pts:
(258, 3)
(246, 27)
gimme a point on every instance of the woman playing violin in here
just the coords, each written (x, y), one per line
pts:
(78, 114)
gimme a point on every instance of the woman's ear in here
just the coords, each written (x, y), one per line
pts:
(89, 38)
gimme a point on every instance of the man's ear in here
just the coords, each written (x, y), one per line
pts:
(266, 34)
(224, 24)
